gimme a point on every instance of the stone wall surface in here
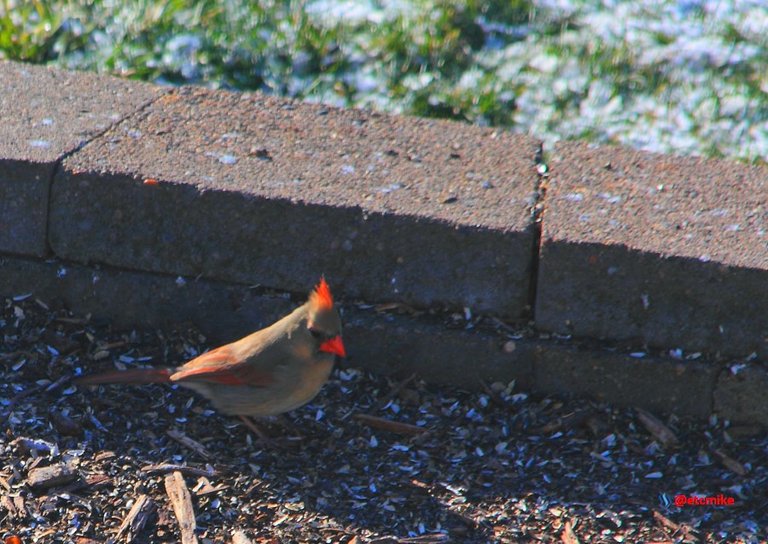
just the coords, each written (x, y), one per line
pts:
(255, 189)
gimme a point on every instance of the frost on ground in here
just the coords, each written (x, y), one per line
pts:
(686, 76)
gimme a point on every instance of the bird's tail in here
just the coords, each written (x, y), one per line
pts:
(136, 376)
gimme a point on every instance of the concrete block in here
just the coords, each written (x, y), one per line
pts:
(47, 113)
(653, 249)
(260, 190)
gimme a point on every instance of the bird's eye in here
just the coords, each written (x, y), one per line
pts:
(316, 334)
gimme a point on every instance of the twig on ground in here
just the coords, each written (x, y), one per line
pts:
(660, 432)
(188, 442)
(165, 468)
(394, 392)
(389, 425)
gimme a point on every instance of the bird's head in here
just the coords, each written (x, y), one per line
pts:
(324, 322)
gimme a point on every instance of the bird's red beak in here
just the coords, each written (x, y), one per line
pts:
(335, 346)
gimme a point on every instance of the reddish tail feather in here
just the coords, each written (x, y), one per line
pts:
(134, 376)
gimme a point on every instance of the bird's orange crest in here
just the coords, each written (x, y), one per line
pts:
(321, 297)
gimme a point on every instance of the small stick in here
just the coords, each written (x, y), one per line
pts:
(112, 345)
(165, 468)
(58, 383)
(181, 501)
(563, 423)
(255, 429)
(730, 463)
(71, 320)
(660, 432)
(389, 425)
(187, 442)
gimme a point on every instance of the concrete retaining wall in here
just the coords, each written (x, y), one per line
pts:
(152, 206)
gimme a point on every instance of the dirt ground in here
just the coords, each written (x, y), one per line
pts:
(371, 459)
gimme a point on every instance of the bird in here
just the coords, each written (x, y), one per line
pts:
(269, 372)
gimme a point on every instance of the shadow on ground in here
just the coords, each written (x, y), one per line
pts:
(493, 467)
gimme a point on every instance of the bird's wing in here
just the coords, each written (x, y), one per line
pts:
(222, 365)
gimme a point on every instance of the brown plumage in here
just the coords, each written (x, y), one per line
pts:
(269, 372)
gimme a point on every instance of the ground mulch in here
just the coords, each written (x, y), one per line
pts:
(372, 459)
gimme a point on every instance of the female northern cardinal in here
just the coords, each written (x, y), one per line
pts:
(269, 372)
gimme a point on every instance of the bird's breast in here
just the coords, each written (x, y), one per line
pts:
(308, 381)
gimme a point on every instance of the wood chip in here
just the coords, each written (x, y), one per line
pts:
(104, 456)
(19, 503)
(181, 500)
(137, 518)
(730, 463)
(239, 537)
(8, 505)
(660, 432)
(45, 477)
(665, 521)
(389, 425)
(568, 536)
(96, 480)
(204, 487)
(187, 442)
